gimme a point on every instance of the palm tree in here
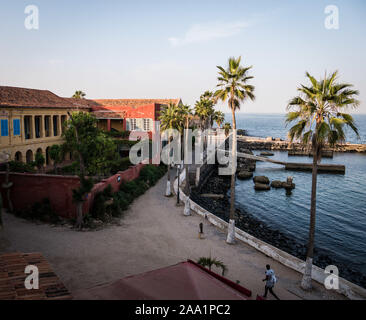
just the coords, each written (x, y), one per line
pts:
(204, 109)
(186, 113)
(209, 262)
(170, 118)
(219, 117)
(227, 128)
(234, 88)
(319, 111)
(79, 95)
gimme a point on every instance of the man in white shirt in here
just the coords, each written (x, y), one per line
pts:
(270, 282)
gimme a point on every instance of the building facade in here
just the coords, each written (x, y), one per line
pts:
(31, 120)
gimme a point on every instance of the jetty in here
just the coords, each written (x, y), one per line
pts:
(293, 166)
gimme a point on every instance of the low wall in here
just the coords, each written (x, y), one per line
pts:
(347, 288)
(31, 188)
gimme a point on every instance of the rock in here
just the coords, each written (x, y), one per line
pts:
(262, 187)
(213, 196)
(276, 184)
(267, 154)
(261, 179)
(288, 186)
(245, 175)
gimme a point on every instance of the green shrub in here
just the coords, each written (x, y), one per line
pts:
(17, 166)
(120, 165)
(41, 211)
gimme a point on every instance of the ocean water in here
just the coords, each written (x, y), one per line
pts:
(273, 125)
(341, 199)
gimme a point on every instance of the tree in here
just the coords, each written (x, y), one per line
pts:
(187, 115)
(319, 111)
(79, 95)
(233, 88)
(171, 117)
(227, 128)
(204, 109)
(39, 160)
(79, 197)
(6, 186)
(94, 149)
(56, 154)
(219, 117)
(209, 262)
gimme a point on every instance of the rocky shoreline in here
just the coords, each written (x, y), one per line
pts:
(220, 185)
(280, 145)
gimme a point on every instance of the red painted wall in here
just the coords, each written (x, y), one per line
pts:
(31, 188)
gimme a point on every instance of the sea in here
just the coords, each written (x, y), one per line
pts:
(341, 199)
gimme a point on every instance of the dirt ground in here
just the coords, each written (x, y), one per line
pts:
(153, 233)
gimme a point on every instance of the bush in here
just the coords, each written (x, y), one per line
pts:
(120, 165)
(17, 166)
(41, 211)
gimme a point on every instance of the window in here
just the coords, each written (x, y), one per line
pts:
(55, 126)
(146, 124)
(133, 124)
(37, 125)
(47, 125)
(16, 127)
(4, 128)
(27, 127)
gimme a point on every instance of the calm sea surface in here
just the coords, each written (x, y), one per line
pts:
(273, 125)
(341, 199)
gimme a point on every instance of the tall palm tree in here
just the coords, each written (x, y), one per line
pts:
(170, 118)
(227, 128)
(219, 117)
(319, 111)
(79, 95)
(235, 89)
(186, 113)
(204, 109)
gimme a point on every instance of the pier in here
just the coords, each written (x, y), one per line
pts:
(292, 166)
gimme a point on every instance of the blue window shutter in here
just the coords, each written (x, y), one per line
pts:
(4, 128)
(16, 127)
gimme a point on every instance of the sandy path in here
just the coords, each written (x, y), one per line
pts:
(153, 234)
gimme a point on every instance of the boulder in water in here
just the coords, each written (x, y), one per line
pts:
(276, 184)
(261, 179)
(262, 187)
(245, 175)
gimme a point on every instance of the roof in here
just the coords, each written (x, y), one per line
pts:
(12, 277)
(134, 103)
(109, 114)
(23, 97)
(183, 281)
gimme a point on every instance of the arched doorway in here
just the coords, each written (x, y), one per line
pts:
(18, 156)
(29, 156)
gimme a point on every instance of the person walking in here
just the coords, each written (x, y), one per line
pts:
(270, 282)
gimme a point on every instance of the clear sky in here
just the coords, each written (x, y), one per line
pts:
(166, 49)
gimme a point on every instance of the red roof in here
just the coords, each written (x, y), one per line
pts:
(23, 97)
(183, 281)
(133, 103)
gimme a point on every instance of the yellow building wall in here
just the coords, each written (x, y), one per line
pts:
(13, 144)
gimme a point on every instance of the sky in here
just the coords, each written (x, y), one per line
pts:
(168, 49)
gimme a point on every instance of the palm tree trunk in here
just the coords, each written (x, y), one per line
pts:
(231, 229)
(187, 206)
(168, 190)
(79, 215)
(306, 280)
